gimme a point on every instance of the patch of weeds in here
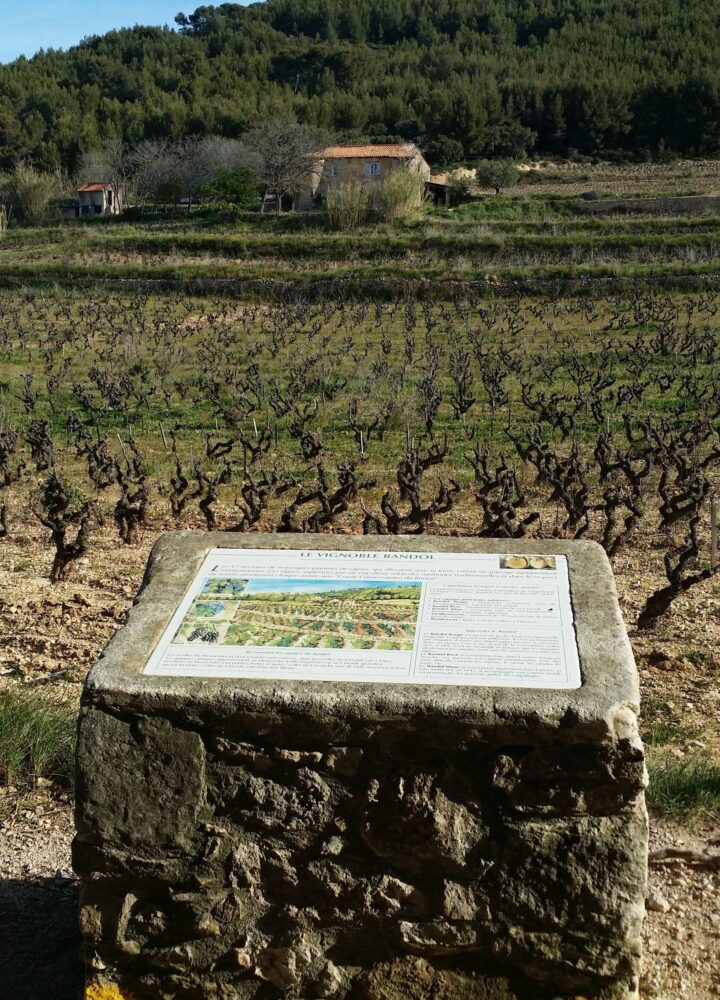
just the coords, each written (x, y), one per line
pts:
(684, 789)
(37, 738)
(661, 725)
(695, 656)
(665, 732)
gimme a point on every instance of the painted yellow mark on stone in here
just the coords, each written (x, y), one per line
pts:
(105, 991)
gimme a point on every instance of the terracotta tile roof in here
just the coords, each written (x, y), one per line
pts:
(378, 151)
(94, 187)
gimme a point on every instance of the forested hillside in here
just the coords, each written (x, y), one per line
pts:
(473, 77)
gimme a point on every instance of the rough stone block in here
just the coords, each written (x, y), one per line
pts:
(156, 770)
(258, 838)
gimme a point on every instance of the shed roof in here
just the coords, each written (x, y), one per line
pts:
(375, 151)
(94, 187)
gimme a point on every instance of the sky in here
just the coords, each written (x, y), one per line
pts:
(58, 24)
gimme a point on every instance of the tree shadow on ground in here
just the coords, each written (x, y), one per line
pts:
(40, 940)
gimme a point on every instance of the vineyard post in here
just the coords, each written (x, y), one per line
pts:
(122, 447)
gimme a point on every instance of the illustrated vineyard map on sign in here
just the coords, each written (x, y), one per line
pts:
(326, 614)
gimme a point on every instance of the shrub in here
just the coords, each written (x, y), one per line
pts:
(347, 205)
(401, 194)
(236, 189)
(459, 191)
(28, 193)
(497, 174)
(37, 738)
(664, 154)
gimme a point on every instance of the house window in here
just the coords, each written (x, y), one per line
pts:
(332, 170)
(374, 170)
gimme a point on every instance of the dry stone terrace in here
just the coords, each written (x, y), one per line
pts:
(258, 839)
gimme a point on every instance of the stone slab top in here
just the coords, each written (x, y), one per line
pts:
(602, 709)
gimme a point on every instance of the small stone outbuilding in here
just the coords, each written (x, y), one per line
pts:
(97, 199)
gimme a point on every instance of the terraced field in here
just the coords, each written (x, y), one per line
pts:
(523, 242)
(370, 617)
(533, 366)
(329, 623)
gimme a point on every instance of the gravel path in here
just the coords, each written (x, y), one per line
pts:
(39, 954)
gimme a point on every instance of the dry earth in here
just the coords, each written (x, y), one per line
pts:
(564, 177)
(622, 179)
(50, 635)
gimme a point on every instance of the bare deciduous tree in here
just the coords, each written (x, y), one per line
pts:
(180, 169)
(284, 153)
(153, 166)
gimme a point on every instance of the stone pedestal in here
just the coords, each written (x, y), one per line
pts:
(258, 839)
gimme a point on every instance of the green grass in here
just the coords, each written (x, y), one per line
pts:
(667, 731)
(687, 789)
(662, 726)
(487, 247)
(524, 231)
(37, 739)
(265, 280)
(386, 243)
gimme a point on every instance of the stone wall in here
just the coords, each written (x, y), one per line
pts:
(360, 841)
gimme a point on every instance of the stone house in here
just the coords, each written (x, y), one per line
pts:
(97, 199)
(369, 163)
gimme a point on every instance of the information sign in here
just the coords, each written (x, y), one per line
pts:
(375, 616)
